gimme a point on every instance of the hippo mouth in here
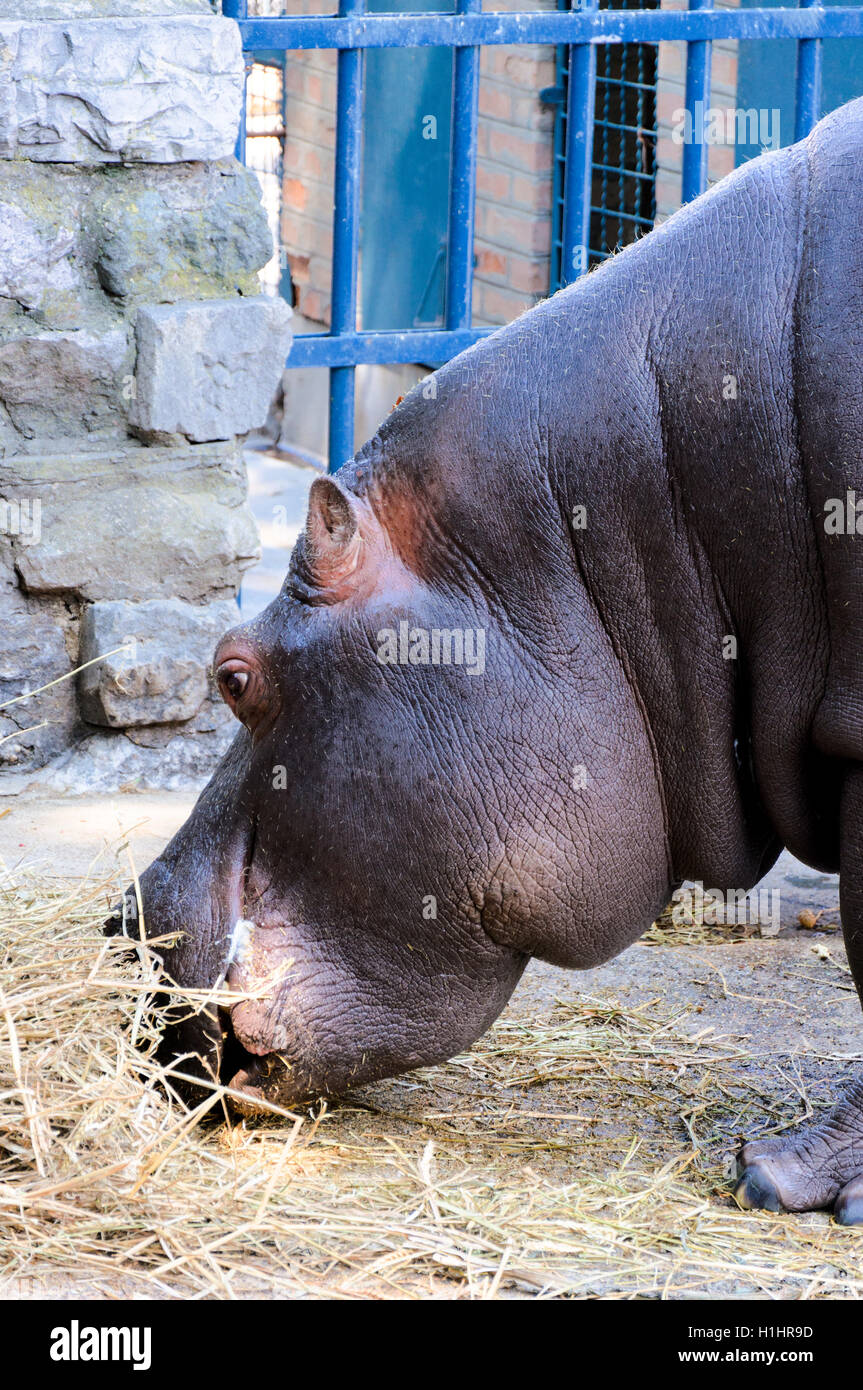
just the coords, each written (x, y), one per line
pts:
(257, 1083)
(257, 1076)
(203, 1044)
(246, 1074)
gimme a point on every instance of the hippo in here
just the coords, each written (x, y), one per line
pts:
(582, 622)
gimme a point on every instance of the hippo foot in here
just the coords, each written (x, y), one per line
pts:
(820, 1166)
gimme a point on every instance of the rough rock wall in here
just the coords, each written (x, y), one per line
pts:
(134, 349)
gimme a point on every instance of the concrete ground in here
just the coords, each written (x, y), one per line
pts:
(277, 496)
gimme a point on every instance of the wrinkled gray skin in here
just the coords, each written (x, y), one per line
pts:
(604, 650)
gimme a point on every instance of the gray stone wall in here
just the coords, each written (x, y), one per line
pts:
(135, 348)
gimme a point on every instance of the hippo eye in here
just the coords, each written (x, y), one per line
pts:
(233, 678)
(245, 686)
(235, 683)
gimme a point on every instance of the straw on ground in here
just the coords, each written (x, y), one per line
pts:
(581, 1154)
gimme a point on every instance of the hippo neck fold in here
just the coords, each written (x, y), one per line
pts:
(644, 423)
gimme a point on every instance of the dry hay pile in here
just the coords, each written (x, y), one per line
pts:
(581, 1155)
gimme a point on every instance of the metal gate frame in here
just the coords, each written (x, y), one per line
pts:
(352, 31)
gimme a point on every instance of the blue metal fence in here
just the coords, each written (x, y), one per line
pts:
(581, 29)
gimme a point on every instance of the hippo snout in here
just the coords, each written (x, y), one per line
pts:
(200, 1040)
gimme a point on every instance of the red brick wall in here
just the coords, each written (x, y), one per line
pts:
(514, 167)
(307, 191)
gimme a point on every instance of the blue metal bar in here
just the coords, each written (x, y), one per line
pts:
(807, 109)
(618, 214)
(238, 9)
(575, 235)
(556, 96)
(459, 271)
(548, 27)
(346, 225)
(625, 82)
(414, 345)
(695, 150)
(623, 173)
(629, 129)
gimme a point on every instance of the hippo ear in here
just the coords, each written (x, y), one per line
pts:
(332, 533)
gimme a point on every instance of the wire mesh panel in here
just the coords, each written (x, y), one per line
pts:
(624, 143)
(623, 180)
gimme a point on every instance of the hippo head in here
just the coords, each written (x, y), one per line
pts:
(393, 831)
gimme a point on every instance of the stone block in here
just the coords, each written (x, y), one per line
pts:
(109, 762)
(56, 383)
(209, 370)
(137, 524)
(164, 676)
(84, 246)
(176, 238)
(83, 9)
(29, 260)
(34, 652)
(47, 280)
(120, 90)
